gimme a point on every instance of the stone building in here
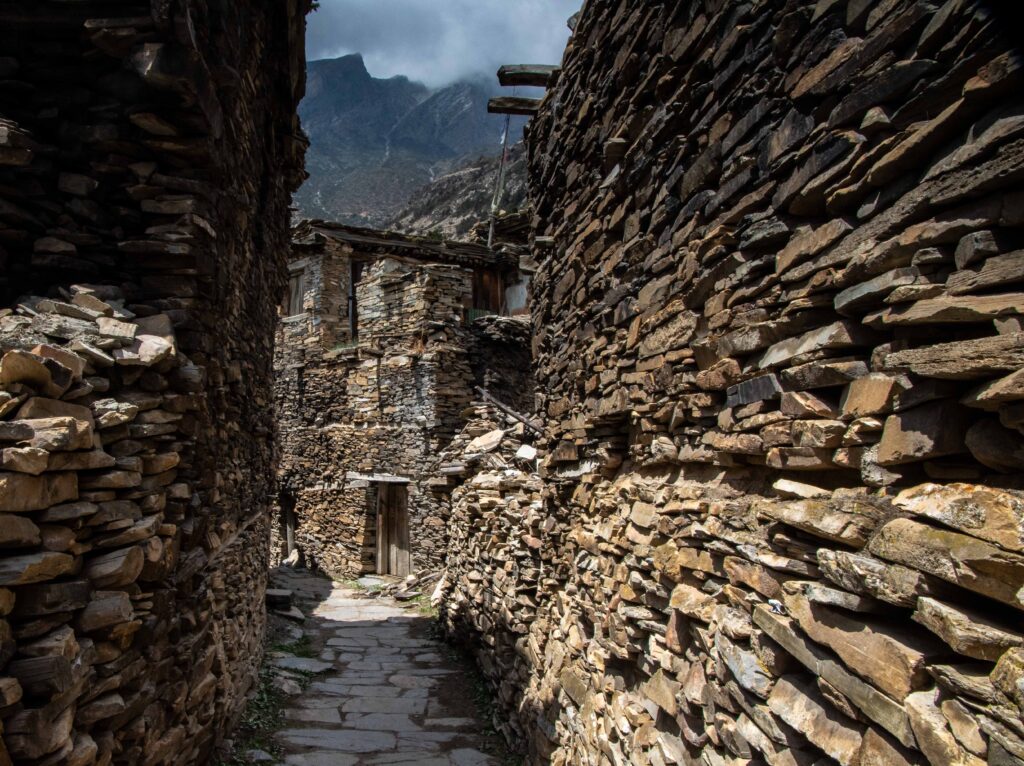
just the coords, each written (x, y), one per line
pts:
(147, 154)
(778, 331)
(383, 341)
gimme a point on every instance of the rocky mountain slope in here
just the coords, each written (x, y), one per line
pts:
(374, 142)
(451, 205)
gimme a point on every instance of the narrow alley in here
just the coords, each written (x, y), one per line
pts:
(698, 413)
(385, 691)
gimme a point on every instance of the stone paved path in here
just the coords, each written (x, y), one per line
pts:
(384, 694)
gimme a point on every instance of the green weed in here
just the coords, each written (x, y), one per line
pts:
(264, 715)
(423, 607)
(302, 647)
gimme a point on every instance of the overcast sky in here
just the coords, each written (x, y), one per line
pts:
(440, 41)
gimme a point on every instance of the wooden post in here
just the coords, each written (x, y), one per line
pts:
(382, 529)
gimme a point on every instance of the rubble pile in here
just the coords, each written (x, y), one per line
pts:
(779, 516)
(147, 154)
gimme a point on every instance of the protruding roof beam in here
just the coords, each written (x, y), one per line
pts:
(510, 105)
(537, 75)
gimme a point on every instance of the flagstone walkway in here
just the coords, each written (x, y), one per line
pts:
(384, 693)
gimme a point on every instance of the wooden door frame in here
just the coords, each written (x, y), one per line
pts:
(393, 554)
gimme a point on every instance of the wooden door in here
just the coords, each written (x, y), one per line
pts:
(393, 530)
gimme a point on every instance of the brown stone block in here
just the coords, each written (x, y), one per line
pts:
(116, 569)
(963, 360)
(932, 732)
(984, 512)
(891, 658)
(842, 521)
(797, 702)
(965, 561)
(926, 432)
(966, 631)
(800, 459)
(30, 460)
(20, 492)
(1001, 449)
(45, 375)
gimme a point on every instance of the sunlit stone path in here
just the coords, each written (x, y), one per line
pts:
(384, 692)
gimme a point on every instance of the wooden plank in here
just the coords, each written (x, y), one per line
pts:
(536, 75)
(513, 105)
(382, 529)
(403, 562)
(381, 478)
(508, 410)
(392, 514)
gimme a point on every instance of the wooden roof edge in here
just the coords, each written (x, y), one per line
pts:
(526, 107)
(535, 75)
(375, 239)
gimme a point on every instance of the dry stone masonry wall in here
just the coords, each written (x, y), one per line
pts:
(147, 153)
(778, 515)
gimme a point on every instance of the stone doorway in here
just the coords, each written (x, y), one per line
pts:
(393, 557)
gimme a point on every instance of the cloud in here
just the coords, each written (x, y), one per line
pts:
(440, 41)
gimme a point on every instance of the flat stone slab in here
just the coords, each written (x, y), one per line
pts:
(460, 724)
(314, 715)
(318, 702)
(380, 698)
(427, 740)
(408, 758)
(340, 740)
(305, 664)
(381, 722)
(412, 682)
(400, 705)
(321, 759)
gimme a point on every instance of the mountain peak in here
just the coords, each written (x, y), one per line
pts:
(351, 65)
(375, 141)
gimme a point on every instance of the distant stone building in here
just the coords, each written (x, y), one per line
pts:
(383, 340)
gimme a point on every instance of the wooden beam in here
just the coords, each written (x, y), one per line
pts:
(378, 478)
(510, 105)
(537, 75)
(509, 411)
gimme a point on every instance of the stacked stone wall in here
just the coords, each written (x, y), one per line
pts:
(778, 516)
(147, 154)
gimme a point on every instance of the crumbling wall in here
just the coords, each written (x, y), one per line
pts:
(147, 152)
(780, 350)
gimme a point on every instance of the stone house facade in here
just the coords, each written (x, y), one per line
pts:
(382, 341)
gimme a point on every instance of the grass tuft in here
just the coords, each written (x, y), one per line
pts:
(264, 715)
(423, 606)
(302, 647)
